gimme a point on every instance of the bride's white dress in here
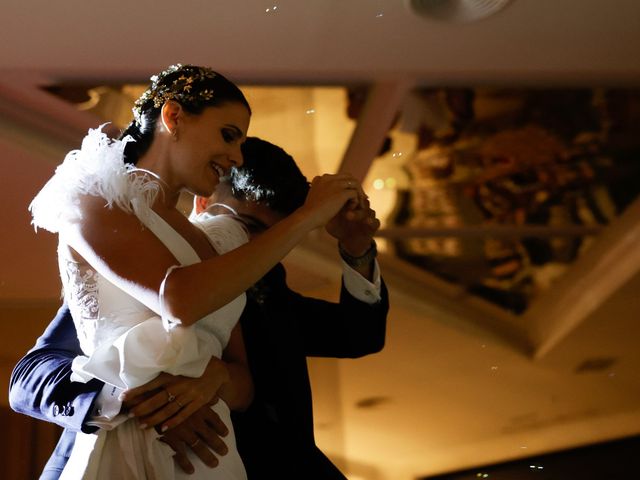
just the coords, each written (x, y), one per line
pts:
(125, 344)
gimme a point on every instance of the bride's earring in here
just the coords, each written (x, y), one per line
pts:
(174, 134)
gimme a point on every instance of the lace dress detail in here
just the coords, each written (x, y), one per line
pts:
(81, 294)
(83, 290)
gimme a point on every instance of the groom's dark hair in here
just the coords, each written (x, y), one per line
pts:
(269, 176)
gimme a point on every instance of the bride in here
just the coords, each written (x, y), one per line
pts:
(148, 290)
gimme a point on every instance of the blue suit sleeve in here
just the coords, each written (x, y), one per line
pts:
(40, 384)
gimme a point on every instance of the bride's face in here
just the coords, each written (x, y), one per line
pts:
(208, 145)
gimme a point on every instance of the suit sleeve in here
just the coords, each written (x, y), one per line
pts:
(40, 384)
(349, 329)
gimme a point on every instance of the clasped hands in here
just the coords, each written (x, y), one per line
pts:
(354, 227)
(179, 408)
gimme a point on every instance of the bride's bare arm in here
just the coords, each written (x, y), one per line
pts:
(117, 245)
(190, 293)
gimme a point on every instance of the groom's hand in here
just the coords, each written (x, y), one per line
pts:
(354, 229)
(169, 400)
(200, 433)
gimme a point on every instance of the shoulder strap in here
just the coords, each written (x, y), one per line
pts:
(177, 245)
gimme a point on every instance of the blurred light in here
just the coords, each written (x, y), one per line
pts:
(390, 182)
(378, 184)
(396, 154)
(94, 99)
(310, 111)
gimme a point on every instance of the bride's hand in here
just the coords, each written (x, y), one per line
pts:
(330, 193)
(169, 400)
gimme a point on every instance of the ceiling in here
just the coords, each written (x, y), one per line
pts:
(460, 383)
(328, 41)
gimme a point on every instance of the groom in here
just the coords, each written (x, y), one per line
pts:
(281, 329)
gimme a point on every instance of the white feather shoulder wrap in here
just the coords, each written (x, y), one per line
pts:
(96, 169)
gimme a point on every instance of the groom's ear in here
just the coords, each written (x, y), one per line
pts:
(200, 204)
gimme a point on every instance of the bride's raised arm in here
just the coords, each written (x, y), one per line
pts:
(129, 255)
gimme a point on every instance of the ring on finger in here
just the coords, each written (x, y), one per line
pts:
(170, 397)
(194, 444)
(179, 404)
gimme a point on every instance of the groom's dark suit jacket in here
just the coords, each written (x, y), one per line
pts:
(281, 328)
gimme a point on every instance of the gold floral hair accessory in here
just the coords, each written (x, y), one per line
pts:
(182, 83)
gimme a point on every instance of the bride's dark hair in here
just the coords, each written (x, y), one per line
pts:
(193, 87)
